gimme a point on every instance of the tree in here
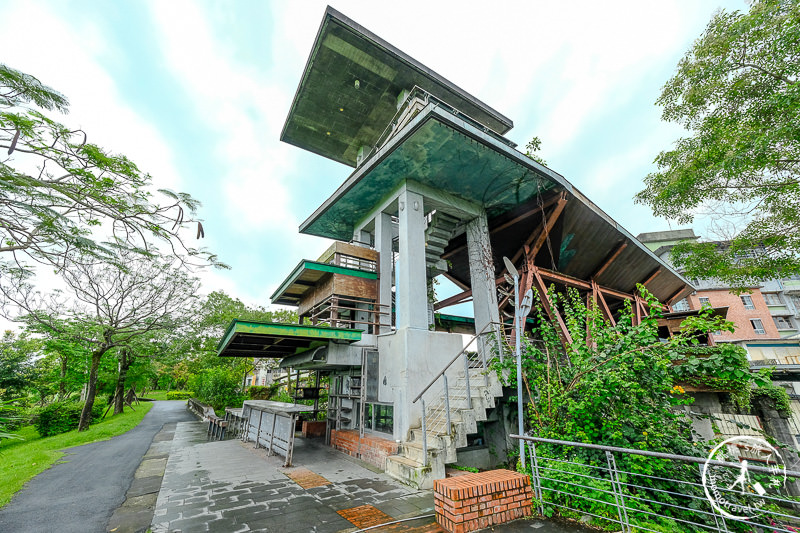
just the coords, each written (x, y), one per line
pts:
(113, 306)
(16, 363)
(60, 194)
(737, 92)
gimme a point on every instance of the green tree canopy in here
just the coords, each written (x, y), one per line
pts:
(59, 193)
(737, 93)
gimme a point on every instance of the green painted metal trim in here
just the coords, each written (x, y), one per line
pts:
(289, 330)
(792, 342)
(320, 267)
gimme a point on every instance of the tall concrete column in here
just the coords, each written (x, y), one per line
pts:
(481, 271)
(412, 288)
(383, 244)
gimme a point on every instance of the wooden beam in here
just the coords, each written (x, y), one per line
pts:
(552, 312)
(669, 300)
(447, 302)
(460, 285)
(603, 305)
(535, 241)
(527, 214)
(652, 276)
(609, 259)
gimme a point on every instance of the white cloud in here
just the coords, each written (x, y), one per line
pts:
(238, 102)
(68, 56)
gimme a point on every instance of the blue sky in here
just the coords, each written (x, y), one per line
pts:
(196, 94)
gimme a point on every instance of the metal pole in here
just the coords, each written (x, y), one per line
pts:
(520, 404)
(424, 436)
(447, 402)
(466, 372)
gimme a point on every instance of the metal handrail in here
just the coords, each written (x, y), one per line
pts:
(647, 453)
(622, 493)
(454, 359)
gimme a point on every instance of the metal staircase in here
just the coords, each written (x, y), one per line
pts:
(452, 405)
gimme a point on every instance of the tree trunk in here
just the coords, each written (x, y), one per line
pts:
(91, 391)
(124, 364)
(62, 386)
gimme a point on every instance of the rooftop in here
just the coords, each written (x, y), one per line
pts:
(349, 91)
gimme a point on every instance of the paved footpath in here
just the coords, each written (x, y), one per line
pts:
(80, 494)
(229, 487)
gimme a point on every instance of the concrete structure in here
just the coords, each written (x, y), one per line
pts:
(436, 190)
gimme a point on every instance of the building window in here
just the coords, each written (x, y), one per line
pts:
(683, 305)
(783, 322)
(704, 302)
(772, 298)
(758, 326)
(379, 417)
(747, 301)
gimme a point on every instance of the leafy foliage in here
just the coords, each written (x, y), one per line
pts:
(60, 193)
(616, 385)
(16, 364)
(218, 387)
(774, 395)
(737, 93)
(60, 417)
(179, 395)
(723, 367)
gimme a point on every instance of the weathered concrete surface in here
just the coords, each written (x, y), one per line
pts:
(80, 494)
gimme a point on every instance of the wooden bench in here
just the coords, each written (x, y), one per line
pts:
(480, 500)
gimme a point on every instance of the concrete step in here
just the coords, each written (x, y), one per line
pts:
(414, 473)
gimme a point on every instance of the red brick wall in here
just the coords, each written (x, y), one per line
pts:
(369, 448)
(738, 314)
(477, 501)
(314, 428)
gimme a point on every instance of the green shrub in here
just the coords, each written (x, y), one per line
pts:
(60, 417)
(179, 395)
(218, 387)
(257, 392)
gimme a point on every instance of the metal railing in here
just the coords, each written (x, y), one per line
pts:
(446, 396)
(620, 487)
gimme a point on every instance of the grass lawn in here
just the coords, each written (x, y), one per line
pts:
(21, 460)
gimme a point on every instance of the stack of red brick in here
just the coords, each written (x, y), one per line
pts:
(477, 501)
(369, 448)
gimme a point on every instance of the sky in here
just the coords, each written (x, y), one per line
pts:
(196, 93)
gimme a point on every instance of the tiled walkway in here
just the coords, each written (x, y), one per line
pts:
(229, 487)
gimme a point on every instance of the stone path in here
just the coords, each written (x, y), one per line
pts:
(231, 487)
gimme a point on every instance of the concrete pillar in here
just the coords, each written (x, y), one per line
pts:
(383, 244)
(412, 287)
(482, 274)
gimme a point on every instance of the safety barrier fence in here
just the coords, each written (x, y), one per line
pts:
(638, 490)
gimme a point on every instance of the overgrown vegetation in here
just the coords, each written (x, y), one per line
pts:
(620, 385)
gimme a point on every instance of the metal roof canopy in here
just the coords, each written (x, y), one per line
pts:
(245, 338)
(349, 88)
(439, 150)
(306, 275)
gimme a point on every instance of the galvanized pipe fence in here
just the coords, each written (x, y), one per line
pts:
(633, 490)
